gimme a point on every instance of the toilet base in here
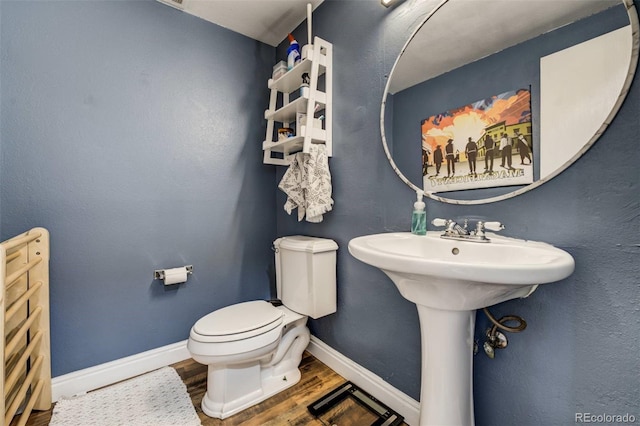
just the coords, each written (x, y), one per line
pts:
(233, 388)
(269, 387)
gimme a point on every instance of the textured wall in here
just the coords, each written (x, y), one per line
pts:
(579, 352)
(132, 131)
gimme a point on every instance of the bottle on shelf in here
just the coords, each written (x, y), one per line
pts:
(293, 52)
(304, 88)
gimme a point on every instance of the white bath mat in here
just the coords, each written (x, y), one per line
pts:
(158, 398)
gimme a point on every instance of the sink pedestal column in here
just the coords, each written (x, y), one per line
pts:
(446, 394)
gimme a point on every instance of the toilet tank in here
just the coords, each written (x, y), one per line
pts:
(306, 274)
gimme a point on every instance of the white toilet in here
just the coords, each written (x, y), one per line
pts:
(253, 349)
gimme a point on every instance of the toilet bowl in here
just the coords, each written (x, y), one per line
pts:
(253, 349)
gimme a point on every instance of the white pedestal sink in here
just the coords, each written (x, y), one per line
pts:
(448, 280)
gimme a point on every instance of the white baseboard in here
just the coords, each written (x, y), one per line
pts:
(92, 378)
(398, 401)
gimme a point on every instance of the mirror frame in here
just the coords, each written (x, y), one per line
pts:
(635, 46)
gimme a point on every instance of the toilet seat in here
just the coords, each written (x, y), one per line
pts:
(237, 322)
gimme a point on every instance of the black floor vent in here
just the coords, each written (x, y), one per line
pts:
(384, 415)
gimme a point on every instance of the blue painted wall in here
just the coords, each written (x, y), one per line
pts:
(132, 131)
(579, 352)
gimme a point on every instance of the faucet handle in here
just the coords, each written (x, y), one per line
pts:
(494, 226)
(440, 222)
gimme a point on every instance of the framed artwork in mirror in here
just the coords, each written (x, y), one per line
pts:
(484, 144)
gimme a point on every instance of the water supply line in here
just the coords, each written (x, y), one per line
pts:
(496, 339)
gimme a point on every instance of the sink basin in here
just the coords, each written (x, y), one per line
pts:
(448, 280)
(462, 275)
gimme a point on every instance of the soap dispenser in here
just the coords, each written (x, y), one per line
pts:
(419, 217)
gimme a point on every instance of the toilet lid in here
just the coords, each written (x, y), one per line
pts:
(239, 321)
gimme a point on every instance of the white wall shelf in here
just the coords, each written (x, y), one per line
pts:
(288, 112)
(291, 80)
(315, 103)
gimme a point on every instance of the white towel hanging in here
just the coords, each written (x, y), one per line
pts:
(307, 183)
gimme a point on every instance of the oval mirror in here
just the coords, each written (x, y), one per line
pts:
(508, 94)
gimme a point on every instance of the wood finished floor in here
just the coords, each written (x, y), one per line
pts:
(288, 408)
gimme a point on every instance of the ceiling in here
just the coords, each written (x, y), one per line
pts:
(268, 21)
(502, 24)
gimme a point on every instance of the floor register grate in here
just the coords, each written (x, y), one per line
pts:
(348, 397)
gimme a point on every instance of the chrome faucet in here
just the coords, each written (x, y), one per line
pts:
(454, 231)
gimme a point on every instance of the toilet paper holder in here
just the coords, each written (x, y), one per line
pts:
(158, 274)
